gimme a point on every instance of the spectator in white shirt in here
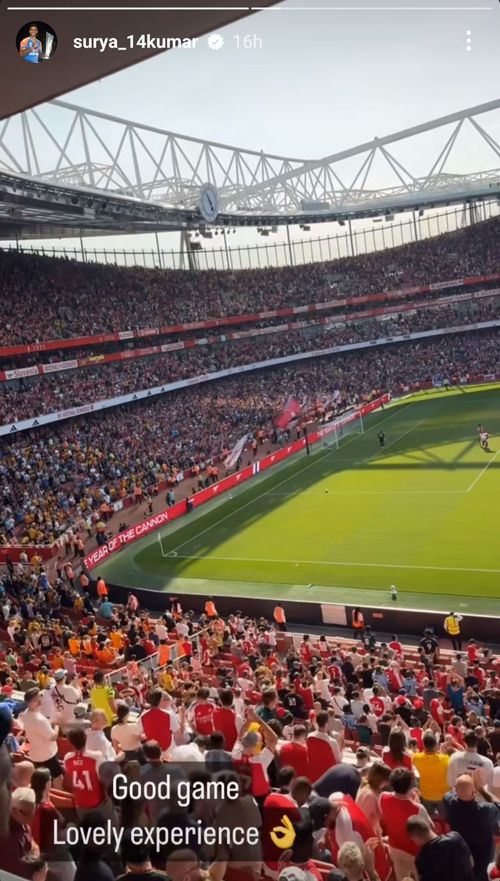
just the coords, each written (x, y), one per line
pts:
(469, 762)
(338, 702)
(357, 705)
(271, 638)
(371, 718)
(42, 736)
(322, 686)
(126, 736)
(64, 698)
(97, 740)
(182, 629)
(161, 630)
(188, 752)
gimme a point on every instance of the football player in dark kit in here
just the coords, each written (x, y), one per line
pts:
(381, 439)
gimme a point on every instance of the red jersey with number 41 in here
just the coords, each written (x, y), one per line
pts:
(82, 771)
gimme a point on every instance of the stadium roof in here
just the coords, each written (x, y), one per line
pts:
(68, 70)
(103, 174)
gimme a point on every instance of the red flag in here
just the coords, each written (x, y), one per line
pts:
(290, 411)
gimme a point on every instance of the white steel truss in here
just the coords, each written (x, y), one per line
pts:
(68, 145)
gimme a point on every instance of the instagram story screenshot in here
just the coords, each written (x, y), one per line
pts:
(249, 440)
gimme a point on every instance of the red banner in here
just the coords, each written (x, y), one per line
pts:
(129, 535)
(101, 339)
(279, 455)
(167, 516)
(331, 321)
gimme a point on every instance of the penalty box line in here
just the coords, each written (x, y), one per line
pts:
(410, 566)
(267, 492)
(483, 470)
(380, 492)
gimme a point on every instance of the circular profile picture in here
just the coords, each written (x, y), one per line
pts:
(36, 42)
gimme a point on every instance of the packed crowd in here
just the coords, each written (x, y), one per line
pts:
(26, 398)
(353, 759)
(478, 303)
(59, 474)
(72, 292)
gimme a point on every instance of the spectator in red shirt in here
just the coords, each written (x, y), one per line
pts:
(305, 650)
(225, 720)
(396, 808)
(306, 693)
(46, 815)
(295, 753)
(324, 751)
(472, 651)
(456, 730)
(437, 709)
(20, 842)
(149, 645)
(377, 704)
(395, 645)
(200, 713)
(416, 732)
(395, 755)
(82, 772)
(158, 724)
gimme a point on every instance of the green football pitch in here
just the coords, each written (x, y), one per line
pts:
(342, 525)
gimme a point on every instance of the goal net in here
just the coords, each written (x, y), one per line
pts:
(334, 433)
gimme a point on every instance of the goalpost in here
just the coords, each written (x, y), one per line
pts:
(335, 432)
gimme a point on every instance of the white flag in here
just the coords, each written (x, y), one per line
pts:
(234, 455)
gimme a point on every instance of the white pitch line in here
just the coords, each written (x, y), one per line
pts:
(337, 563)
(478, 478)
(379, 492)
(395, 441)
(286, 479)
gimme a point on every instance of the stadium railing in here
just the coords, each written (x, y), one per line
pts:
(150, 663)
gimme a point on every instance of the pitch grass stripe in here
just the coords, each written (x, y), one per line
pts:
(395, 441)
(478, 478)
(333, 563)
(266, 492)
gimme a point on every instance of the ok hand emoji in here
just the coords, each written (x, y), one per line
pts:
(283, 836)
